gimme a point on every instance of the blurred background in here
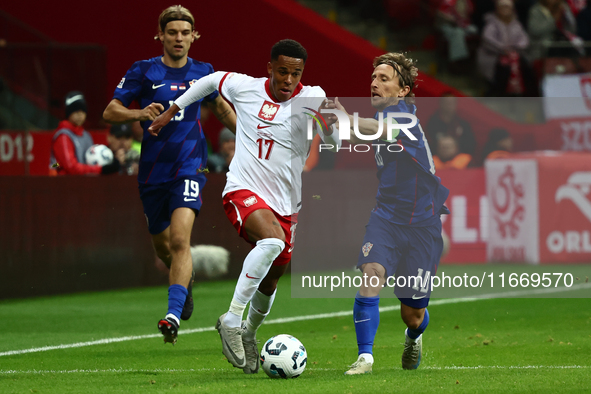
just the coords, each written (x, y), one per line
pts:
(499, 81)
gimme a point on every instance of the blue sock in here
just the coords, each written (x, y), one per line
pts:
(366, 315)
(177, 295)
(414, 334)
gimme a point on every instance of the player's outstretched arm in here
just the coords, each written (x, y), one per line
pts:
(163, 119)
(328, 134)
(201, 88)
(367, 126)
(328, 117)
(224, 112)
(116, 112)
(197, 91)
(353, 139)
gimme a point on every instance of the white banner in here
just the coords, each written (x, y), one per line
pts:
(563, 93)
(512, 190)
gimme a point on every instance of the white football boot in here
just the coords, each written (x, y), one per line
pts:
(359, 367)
(231, 343)
(251, 352)
(411, 356)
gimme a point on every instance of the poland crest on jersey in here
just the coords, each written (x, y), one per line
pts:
(268, 110)
(366, 248)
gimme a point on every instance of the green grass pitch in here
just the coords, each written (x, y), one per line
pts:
(494, 345)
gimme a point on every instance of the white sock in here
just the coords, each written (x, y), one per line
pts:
(368, 357)
(234, 316)
(255, 268)
(173, 317)
(260, 306)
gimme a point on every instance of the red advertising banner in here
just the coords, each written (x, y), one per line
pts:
(575, 134)
(467, 225)
(16, 152)
(28, 153)
(540, 208)
(565, 207)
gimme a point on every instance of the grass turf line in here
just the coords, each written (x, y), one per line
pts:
(505, 339)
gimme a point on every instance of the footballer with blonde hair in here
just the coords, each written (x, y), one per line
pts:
(171, 164)
(403, 236)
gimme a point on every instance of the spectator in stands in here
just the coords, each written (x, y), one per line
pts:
(120, 140)
(483, 7)
(498, 145)
(447, 121)
(551, 21)
(455, 24)
(220, 162)
(501, 57)
(71, 141)
(448, 154)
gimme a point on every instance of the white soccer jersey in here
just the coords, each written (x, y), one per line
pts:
(271, 140)
(272, 144)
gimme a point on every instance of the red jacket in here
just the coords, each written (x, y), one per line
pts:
(65, 152)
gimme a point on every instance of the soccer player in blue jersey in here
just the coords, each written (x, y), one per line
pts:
(171, 165)
(403, 236)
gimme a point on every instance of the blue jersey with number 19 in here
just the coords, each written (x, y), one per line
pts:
(180, 150)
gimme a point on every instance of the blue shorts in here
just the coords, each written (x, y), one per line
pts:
(404, 251)
(161, 200)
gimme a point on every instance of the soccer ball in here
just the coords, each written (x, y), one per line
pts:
(283, 356)
(98, 155)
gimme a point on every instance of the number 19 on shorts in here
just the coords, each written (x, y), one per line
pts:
(191, 190)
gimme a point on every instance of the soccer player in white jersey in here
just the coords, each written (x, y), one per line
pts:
(262, 196)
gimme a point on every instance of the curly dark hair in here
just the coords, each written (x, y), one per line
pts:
(290, 48)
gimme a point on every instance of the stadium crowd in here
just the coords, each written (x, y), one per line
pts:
(508, 40)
